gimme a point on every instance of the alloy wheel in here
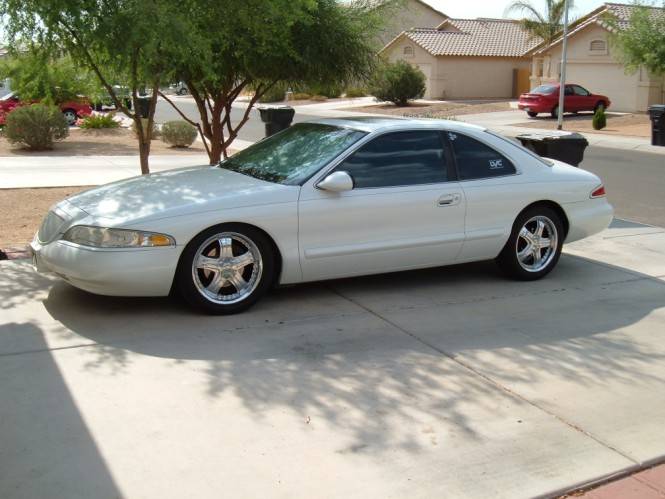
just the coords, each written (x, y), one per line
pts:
(537, 243)
(227, 268)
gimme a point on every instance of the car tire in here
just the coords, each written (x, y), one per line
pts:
(532, 114)
(226, 269)
(531, 255)
(70, 116)
(555, 112)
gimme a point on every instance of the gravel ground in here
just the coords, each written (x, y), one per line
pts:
(637, 125)
(112, 142)
(444, 109)
(22, 210)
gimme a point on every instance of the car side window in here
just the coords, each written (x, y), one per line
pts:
(477, 160)
(568, 90)
(581, 91)
(397, 159)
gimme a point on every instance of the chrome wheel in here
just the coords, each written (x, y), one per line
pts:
(227, 268)
(537, 243)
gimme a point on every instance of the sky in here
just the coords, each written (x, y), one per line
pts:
(496, 8)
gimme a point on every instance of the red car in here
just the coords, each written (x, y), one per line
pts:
(545, 99)
(71, 109)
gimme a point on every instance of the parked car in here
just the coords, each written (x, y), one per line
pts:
(72, 110)
(123, 93)
(545, 99)
(322, 200)
(179, 88)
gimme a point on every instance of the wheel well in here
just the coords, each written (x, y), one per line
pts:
(556, 208)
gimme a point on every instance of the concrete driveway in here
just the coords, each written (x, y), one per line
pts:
(442, 383)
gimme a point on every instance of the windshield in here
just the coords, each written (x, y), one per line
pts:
(544, 89)
(293, 155)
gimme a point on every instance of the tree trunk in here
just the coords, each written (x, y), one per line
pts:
(217, 136)
(144, 154)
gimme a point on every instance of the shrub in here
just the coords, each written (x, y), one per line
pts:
(277, 93)
(178, 133)
(301, 96)
(599, 119)
(36, 126)
(155, 129)
(398, 82)
(318, 98)
(352, 92)
(98, 121)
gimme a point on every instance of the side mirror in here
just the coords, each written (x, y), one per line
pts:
(336, 182)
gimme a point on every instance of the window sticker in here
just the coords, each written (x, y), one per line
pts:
(496, 164)
(452, 136)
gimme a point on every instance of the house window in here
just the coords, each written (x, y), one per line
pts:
(598, 47)
(408, 51)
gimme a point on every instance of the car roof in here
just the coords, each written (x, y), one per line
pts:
(372, 124)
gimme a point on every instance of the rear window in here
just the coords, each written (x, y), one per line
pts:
(544, 89)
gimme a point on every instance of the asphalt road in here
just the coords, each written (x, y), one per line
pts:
(635, 181)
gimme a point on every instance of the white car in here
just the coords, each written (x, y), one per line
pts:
(322, 200)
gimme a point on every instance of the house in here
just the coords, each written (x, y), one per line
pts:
(468, 58)
(593, 63)
(410, 13)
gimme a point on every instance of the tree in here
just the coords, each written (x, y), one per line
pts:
(642, 42)
(234, 47)
(398, 82)
(37, 74)
(545, 25)
(116, 40)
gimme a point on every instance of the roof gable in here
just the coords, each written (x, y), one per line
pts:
(473, 37)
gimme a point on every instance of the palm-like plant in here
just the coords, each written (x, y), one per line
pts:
(541, 25)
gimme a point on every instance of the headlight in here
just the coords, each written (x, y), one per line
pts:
(100, 237)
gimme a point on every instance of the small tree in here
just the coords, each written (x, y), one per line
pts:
(398, 82)
(37, 74)
(237, 46)
(117, 41)
(599, 120)
(642, 43)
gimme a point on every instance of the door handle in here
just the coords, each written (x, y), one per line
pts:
(449, 199)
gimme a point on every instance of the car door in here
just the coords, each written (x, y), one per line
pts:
(583, 99)
(406, 210)
(493, 198)
(569, 102)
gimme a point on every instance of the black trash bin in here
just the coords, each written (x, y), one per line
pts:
(657, 115)
(564, 146)
(143, 106)
(276, 118)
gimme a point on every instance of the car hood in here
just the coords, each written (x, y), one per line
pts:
(183, 191)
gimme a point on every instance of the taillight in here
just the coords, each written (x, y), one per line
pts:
(598, 192)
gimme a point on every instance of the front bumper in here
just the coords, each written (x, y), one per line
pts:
(111, 272)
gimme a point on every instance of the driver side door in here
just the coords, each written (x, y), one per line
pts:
(406, 210)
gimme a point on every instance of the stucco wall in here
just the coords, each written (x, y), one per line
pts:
(412, 14)
(460, 77)
(601, 73)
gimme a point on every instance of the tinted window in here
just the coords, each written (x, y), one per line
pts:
(402, 158)
(580, 91)
(293, 155)
(476, 160)
(569, 90)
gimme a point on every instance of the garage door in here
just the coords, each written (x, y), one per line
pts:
(606, 79)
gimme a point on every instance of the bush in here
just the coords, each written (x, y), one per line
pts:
(599, 119)
(95, 121)
(178, 133)
(398, 83)
(318, 98)
(352, 92)
(277, 93)
(36, 126)
(301, 96)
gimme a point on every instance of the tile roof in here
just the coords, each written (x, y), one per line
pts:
(623, 12)
(475, 37)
